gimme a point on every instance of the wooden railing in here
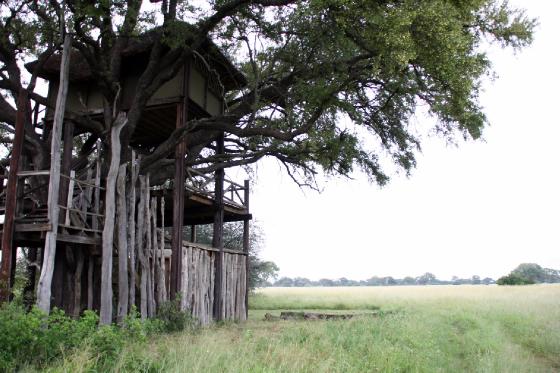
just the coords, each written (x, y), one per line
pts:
(234, 193)
(80, 212)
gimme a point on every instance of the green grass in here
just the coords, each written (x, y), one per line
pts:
(429, 329)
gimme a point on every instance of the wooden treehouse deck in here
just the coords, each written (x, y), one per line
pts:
(81, 215)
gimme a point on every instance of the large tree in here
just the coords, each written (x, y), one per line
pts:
(332, 84)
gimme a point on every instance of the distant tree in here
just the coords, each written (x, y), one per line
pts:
(514, 279)
(530, 273)
(285, 282)
(389, 281)
(488, 281)
(475, 280)
(408, 281)
(302, 282)
(343, 281)
(426, 279)
(326, 282)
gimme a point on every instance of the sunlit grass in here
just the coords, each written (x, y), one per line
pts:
(429, 329)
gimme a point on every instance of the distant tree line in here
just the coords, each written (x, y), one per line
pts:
(530, 273)
(425, 279)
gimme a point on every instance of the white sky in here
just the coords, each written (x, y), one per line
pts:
(481, 208)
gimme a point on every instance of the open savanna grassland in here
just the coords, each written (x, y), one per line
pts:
(414, 329)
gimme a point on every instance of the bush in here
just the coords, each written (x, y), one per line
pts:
(36, 339)
(173, 319)
(514, 279)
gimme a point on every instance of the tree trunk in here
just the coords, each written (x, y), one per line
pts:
(122, 309)
(45, 280)
(106, 311)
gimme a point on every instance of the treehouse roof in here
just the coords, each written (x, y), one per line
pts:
(138, 50)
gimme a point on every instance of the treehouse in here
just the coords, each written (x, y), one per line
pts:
(160, 261)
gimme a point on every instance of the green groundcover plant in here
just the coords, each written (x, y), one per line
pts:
(35, 339)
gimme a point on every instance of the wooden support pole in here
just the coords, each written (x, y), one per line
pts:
(193, 233)
(246, 248)
(44, 288)
(29, 290)
(65, 191)
(178, 210)
(218, 235)
(106, 311)
(8, 250)
(132, 231)
(122, 308)
(140, 244)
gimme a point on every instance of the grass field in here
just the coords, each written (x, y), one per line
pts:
(418, 329)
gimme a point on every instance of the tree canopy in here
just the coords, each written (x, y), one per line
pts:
(331, 84)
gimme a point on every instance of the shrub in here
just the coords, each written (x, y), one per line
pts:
(36, 339)
(514, 279)
(173, 319)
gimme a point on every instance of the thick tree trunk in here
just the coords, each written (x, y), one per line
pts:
(106, 311)
(122, 309)
(45, 280)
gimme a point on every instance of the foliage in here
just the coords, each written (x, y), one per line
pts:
(530, 273)
(514, 279)
(332, 84)
(36, 339)
(173, 318)
(261, 272)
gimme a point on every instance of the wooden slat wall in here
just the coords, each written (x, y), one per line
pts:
(197, 285)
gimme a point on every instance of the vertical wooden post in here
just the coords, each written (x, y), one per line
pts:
(106, 311)
(218, 233)
(122, 308)
(193, 233)
(8, 250)
(28, 291)
(178, 211)
(69, 195)
(140, 244)
(44, 288)
(65, 191)
(132, 231)
(179, 193)
(246, 247)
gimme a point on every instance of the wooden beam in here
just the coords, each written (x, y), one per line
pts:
(218, 235)
(8, 250)
(81, 240)
(39, 227)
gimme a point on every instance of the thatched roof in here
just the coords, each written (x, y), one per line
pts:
(139, 48)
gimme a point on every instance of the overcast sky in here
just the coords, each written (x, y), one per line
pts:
(480, 208)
